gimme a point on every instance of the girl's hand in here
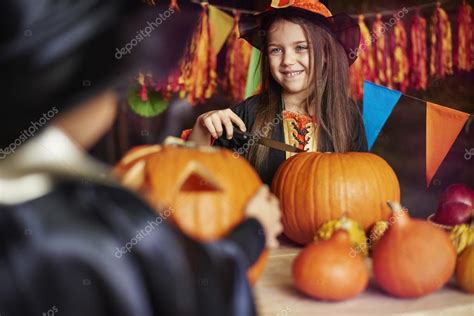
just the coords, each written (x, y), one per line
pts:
(213, 123)
(265, 207)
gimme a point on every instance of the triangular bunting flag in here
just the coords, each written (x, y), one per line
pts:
(253, 75)
(222, 25)
(443, 126)
(378, 102)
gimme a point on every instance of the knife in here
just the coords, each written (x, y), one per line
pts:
(269, 142)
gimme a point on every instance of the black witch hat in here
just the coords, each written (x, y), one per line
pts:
(341, 26)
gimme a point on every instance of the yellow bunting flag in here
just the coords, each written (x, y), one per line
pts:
(443, 126)
(222, 25)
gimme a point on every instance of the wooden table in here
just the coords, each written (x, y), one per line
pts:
(275, 295)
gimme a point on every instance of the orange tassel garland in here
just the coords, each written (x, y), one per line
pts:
(383, 72)
(237, 63)
(198, 80)
(363, 67)
(143, 90)
(464, 48)
(418, 55)
(400, 64)
(441, 61)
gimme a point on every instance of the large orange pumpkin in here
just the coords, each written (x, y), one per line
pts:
(205, 188)
(314, 188)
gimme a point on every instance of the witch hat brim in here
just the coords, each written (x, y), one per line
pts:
(341, 26)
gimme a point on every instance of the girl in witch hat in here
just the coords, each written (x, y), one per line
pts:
(304, 100)
(72, 241)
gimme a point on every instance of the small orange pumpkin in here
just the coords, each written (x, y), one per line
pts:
(315, 188)
(326, 269)
(465, 269)
(413, 257)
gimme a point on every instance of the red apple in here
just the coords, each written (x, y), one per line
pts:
(457, 193)
(453, 213)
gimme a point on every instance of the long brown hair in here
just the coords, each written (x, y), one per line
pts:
(335, 113)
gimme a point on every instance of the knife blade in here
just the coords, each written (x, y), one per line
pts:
(270, 142)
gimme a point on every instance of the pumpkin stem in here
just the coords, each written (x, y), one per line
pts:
(341, 236)
(175, 141)
(395, 206)
(398, 212)
(345, 223)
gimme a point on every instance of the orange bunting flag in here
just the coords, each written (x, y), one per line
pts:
(400, 64)
(363, 67)
(383, 73)
(418, 55)
(443, 126)
(237, 63)
(198, 79)
(463, 58)
(441, 61)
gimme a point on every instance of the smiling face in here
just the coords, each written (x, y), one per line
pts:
(288, 53)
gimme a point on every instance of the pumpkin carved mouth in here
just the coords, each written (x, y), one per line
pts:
(196, 178)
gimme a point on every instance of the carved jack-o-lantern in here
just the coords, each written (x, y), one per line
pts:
(205, 188)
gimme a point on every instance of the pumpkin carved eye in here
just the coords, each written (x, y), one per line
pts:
(198, 179)
(197, 183)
